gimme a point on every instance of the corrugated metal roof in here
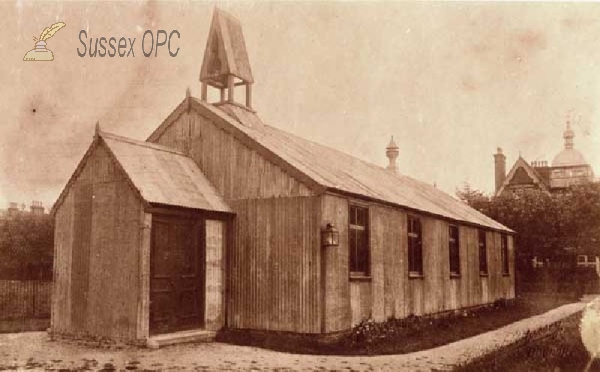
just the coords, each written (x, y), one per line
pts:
(164, 176)
(339, 171)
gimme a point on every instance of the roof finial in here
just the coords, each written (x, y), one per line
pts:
(392, 152)
(568, 135)
(188, 98)
(97, 129)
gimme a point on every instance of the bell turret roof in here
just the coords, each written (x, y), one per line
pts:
(225, 52)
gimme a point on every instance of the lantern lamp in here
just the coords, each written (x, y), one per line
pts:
(330, 236)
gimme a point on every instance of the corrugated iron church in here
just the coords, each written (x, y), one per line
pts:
(220, 221)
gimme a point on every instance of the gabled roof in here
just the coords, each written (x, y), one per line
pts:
(334, 170)
(164, 176)
(225, 52)
(520, 166)
(160, 175)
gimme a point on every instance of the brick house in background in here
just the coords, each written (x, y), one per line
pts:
(568, 168)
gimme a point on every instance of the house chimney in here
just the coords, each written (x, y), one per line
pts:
(36, 208)
(392, 152)
(500, 168)
(13, 209)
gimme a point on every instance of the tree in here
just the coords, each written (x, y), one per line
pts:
(473, 197)
(26, 245)
(545, 223)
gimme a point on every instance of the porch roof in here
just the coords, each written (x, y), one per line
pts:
(164, 176)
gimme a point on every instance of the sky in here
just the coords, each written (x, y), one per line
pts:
(450, 81)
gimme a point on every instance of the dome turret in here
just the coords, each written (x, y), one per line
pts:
(568, 156)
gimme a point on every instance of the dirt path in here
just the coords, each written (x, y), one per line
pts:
(34, 350)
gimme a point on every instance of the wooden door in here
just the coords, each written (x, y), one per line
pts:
(177, 274)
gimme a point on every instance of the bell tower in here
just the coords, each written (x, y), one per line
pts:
(226, 65)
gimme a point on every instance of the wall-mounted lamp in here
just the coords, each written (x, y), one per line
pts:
(330, 236)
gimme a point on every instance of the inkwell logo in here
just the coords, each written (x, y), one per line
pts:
(40, 53)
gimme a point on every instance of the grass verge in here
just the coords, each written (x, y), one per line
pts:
(400, 336)
(554, 348)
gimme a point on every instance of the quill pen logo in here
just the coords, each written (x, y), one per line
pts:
(40, 53)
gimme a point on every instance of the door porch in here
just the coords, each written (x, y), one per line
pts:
(184, 285)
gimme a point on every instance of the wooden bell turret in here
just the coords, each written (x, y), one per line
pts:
(226, 65)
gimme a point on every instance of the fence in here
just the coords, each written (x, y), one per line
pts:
(25, 299)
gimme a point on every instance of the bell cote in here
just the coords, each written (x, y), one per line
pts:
(226, 66)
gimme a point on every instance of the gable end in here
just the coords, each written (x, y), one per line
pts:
(88, 156)
(225, 153)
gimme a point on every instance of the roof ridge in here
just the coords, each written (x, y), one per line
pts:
(366, 162)
(328, 147)
(132, 141)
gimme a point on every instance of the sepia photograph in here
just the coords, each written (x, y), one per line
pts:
(299, 186)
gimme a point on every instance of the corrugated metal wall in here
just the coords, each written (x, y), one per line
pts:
(63, 249)
(274, 265)
(389, 292)
(98, 232)
(336, 287)
(80, 274)
(215, 274)
(232, 167)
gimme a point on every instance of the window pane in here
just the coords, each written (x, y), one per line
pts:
(362, 217)
(415, 254)
(419, 256)
(482, 252)
(352, 248)
(411, 259)
(358, 240)
(504, 252)
(453, 261)
(453, 246)
(453, 233)
(363, 252)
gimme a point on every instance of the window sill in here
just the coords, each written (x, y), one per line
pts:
(454, 276)
(415, 275)
(355, 277)
(505, 274)
(484, 275)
